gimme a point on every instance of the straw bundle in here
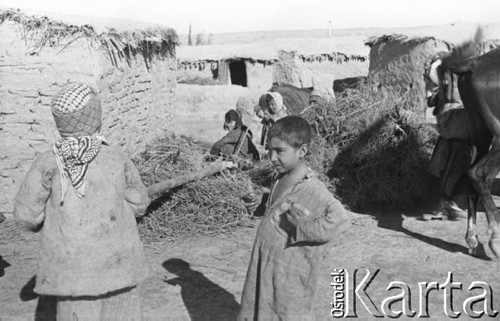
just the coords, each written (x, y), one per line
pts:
(263, 173)
(209, 206)
(167, 157)
(376, 152)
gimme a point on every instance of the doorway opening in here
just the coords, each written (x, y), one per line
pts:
(238, 72)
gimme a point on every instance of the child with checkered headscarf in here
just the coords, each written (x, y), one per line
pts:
(87, 194)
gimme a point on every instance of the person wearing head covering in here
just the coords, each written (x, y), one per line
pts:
(238, 141)
(451, 157)
(85, 195)
(270, 109)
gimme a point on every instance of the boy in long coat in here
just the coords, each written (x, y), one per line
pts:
(300, 217)
(87, 195)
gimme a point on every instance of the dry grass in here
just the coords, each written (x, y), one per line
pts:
(367, 146)
(374, 150)
(262, 174)
(40, 31)
(209, 206)
(168, 157)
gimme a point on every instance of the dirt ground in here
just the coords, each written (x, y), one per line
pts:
(402, 246)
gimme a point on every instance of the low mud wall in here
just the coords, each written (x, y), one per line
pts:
(137, 102)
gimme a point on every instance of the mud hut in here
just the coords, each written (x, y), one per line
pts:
(253, 73)
(399, 61)
(314, 70)
(131, 64)
(258, 68)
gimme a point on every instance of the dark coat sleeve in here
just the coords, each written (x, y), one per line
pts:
(232, 137)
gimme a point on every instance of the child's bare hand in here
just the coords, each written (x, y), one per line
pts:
(251, 207)
(251, 202)
(229, 165)
(296, 213)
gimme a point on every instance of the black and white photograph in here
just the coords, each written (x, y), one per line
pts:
(266, 160)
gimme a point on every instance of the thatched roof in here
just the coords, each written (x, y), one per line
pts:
(413, 41)
(336, 57)
(484, 46)
(202, 64)
(121, 42)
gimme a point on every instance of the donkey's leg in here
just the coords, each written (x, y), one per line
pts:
(471, 235)
(472, 199)
(482, 175)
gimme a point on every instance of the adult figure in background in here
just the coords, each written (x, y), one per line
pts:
(452, 154)
(270, 109)
(238, 141)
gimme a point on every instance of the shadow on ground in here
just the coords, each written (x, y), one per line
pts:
(3, 265)
(203, 299)
(394, 221)
(46, 308)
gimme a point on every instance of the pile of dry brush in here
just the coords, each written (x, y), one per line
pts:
(209, 206)
(374, 149)
(368, 146)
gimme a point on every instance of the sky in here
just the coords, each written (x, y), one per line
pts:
(218, 16)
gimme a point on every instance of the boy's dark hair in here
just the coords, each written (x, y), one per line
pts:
(233, 115)
(293, 129)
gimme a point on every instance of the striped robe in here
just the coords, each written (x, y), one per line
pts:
(284, 266)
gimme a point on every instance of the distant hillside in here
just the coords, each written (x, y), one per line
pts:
(455, 32)
(347, 41)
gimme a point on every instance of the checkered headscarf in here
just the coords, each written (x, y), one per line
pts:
(73, 156)
(77, 111)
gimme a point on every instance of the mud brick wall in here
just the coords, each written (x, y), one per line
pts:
(260, 77)
(353, 68)
(136, 101)
(401, 64)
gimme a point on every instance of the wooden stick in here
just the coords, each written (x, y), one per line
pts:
(164, 186)
(240, 142)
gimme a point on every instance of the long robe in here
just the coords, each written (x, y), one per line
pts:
(284, 266)
(90, 245)
(451, 157)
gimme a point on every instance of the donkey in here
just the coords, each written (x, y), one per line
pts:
(478, 78)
